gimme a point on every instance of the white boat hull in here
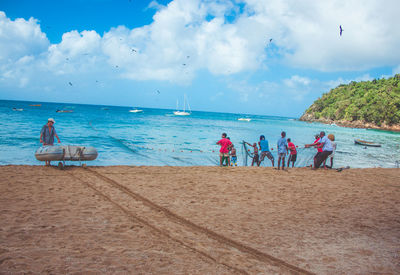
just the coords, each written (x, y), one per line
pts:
(180, 113)
(66, 153)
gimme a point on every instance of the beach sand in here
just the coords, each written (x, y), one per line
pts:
(199, 220)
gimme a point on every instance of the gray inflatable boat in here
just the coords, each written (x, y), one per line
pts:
(66, 153)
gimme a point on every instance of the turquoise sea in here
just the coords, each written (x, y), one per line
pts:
(156, 137)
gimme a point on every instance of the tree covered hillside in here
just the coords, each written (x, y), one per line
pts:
(374, 102)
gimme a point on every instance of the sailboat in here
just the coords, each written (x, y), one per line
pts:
(183, 113)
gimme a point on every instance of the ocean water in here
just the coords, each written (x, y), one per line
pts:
(156, 137)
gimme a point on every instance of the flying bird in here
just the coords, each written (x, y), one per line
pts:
(184, 64)
(133, 50)
(340, 29)
(270, 40)
(158, 91)
(70, 83)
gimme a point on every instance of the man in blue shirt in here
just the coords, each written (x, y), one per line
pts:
(264, 148)
(282, 150)
(47, 135)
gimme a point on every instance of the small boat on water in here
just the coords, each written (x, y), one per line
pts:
(35, 105)
(244, 119)
(18, 109)
(65, 111)
(135, 111)
(366, 143)
(66, 153)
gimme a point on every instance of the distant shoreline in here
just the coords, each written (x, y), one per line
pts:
(351, 124)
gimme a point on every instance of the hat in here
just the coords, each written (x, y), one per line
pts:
(51, 119)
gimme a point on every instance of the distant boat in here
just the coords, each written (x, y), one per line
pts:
(18, 109)
(35, 105)
(244, 119)
(105, 108)
(135, 111)
(183, 113)
(64, 111)
(366, 143)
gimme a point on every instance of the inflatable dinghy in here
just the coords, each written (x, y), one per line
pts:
(66, 153)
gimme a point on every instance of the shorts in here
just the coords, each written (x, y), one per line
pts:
(255, 158)
(317, 155)
(282, 155)
(268, 154)
(293, 157)
(234, 159)
(223, 154)
(321, 158)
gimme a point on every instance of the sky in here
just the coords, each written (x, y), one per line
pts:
(265, 57)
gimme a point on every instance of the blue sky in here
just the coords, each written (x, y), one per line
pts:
(219, 53)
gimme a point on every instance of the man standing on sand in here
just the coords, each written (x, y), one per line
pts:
(264, 148)
(327, 148)
(47, 135)
(255, 154)
(319, 150)
(224, 151)
(293, 153)
(282, 150)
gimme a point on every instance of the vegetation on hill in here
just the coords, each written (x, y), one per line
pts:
(375, 102)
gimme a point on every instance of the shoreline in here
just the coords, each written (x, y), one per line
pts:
(352, 124)
(199, 220)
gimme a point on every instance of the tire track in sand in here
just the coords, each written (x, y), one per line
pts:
(214, 246)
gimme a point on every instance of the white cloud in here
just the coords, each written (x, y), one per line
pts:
(296, 80)
(189, 36)
(20, 38)
(334, 83)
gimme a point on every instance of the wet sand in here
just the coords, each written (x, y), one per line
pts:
(199, 220)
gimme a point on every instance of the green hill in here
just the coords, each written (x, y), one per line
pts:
(366, 104)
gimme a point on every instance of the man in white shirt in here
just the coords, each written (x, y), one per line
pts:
(326, 144)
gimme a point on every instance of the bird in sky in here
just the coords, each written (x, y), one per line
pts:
(270, 40)
(133, 50)
(70, 83)
(340, 29)
(158, 91)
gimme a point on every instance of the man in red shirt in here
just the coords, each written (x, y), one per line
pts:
(224, 151)
(293, 153)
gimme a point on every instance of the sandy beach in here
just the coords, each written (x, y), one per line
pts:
(199, 220)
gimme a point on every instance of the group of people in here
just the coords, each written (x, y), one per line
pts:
(325, 149)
